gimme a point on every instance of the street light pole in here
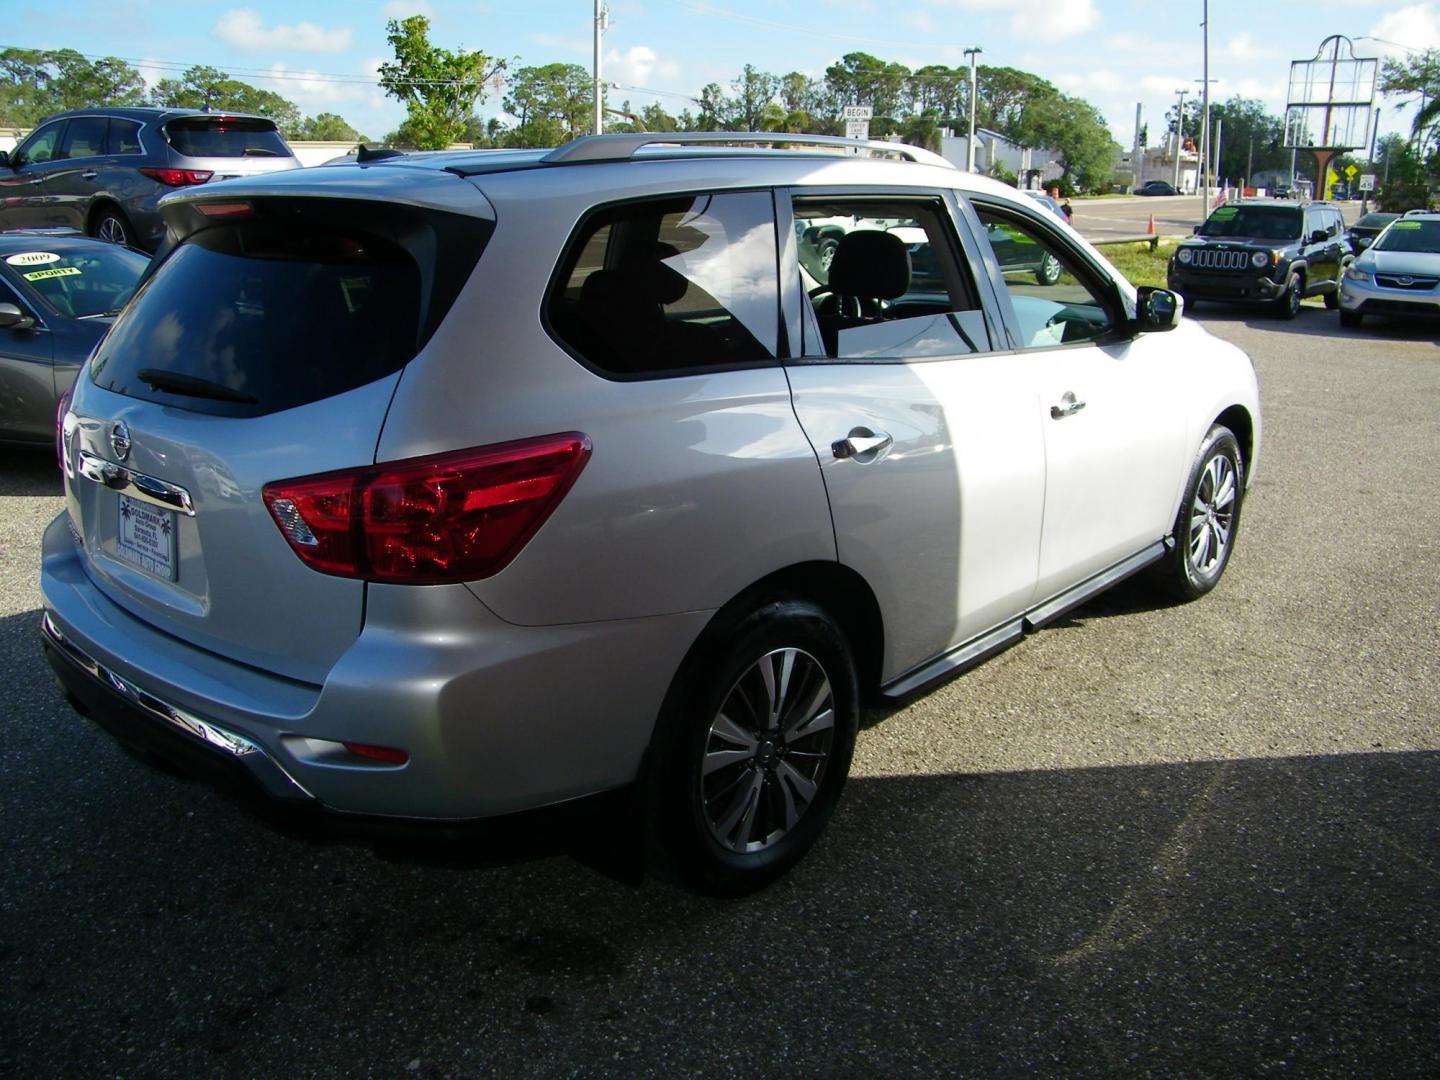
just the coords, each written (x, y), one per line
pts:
(1179, 134)
(602, 23)
(1205, 110)
(972, 52)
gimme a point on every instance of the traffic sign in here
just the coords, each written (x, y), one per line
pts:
(858, 112)
(1350, 171)
(1367, 181)
(857, 129)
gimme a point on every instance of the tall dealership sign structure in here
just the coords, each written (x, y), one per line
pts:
(1329, 106)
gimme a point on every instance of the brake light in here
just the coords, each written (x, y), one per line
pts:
(459, 516)
(178, 177)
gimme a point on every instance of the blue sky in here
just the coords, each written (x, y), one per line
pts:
(322, 53)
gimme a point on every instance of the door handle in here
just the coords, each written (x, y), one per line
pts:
(861, 443)
(89, 174)
(1068, 406)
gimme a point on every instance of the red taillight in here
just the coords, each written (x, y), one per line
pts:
(225, 209)
(178, 177)
(60, 410)
(450, 517)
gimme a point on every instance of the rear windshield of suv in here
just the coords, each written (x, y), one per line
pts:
(252, 319)
(225, 136)
(1259, 222)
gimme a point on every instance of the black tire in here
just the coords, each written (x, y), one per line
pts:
(1049, 270)
(1190, 302)
(1351, 319)
(742, 824)
(1208, 521)
(113, 226)
(1288, 305)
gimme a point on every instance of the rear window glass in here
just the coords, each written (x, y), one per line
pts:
(124, 137)
(252, 319)
(225, 136)
(672, 285)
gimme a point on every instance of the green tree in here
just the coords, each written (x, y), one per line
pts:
(861, 79)
(1417, 76)
(754, 90)
(1076, 132)
(37, 82)
(201, 87)
(1245, 125)
(328, 127)
(552, 103)
(439, 88)
(715, 108)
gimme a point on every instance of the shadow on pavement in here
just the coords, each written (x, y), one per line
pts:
(29, 472)
(1204, 918)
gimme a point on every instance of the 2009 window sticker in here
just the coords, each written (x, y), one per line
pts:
(32, 258)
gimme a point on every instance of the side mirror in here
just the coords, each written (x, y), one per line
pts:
(1364, 241)
(1195, 230)
(1319, 236)
(1156, 309)
(11, 317)
(5, 159)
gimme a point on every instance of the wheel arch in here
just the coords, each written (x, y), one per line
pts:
(100, 205)
(837, 588)
(1238, 419)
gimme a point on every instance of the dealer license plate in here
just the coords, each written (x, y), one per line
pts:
(147, 537)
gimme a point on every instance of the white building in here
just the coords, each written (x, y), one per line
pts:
(1035, 167)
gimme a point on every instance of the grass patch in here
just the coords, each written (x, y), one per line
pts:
(1138, 263)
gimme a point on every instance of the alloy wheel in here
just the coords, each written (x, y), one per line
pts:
(767, 751)
(1212, 516)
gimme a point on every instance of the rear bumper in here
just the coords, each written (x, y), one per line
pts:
(495, 718)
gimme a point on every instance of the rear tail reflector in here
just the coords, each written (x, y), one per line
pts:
(178, 177)
(386, 754)
(225, 209)
(459, 516)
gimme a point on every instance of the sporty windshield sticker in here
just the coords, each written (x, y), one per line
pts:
(32, 258)
(54, 271)
(1225, 213)
(1405, 225)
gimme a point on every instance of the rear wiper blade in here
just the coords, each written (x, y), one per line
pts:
(193, 386)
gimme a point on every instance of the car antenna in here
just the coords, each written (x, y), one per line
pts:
(363, 153)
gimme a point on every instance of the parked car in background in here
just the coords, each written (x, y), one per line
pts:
(1399, 274)
(449, 485)
(1156, 187)
(59, 293)
(1363, 233)
(103, 171)
(1281, 191)
(1263, 252)
(1050, 203)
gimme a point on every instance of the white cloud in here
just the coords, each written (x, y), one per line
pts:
(403, 9)
(921, 20)
(1095, 81)
(637, 65)
(1242, 47)
(1040, 20)
(244, 29)
(1414, 27)
(571, 45)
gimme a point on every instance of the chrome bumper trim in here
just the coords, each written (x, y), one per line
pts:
(270, 772)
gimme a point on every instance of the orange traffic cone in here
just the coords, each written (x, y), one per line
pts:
(1150, 229)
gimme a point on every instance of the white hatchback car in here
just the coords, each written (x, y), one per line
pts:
(439, 487)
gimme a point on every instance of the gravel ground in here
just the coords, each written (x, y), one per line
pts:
(1151, 840)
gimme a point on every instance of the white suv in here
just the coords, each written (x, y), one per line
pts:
(447, 486)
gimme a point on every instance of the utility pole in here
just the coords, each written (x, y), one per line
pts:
(1135, 159)
(602, 23)
(1205, 110)
(972, 53)
(1179, 134)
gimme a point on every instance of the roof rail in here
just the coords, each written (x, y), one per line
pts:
(623, 147)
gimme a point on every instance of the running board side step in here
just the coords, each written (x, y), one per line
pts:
(968, 655)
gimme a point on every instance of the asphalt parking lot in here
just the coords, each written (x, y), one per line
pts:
(1151, 840)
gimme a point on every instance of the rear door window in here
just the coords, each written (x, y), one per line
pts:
(670, 286)
(225, 136)
(84, 138)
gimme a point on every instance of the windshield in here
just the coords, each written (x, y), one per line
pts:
(1375, 221)
(1261, 222)
(225, 136)
(97, 280)
(1410, 235)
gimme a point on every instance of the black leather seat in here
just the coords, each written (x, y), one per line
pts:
(869, 269)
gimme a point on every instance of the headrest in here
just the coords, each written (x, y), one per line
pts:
(870, 264)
